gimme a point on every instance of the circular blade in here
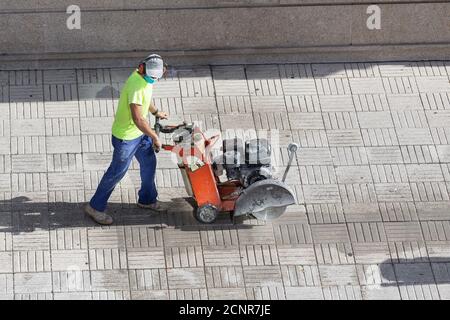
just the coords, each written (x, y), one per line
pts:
(269, 214)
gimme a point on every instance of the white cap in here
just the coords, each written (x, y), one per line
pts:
(154, 66)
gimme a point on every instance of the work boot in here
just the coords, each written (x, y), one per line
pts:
(97, 216)
(157, 206)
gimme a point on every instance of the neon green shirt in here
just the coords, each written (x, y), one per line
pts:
(136, 90)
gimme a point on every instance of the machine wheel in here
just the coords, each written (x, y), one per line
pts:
(206, 214)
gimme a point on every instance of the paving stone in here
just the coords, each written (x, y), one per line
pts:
(296, 255)
(390, 192)
(332, 86)
(414, 136)
(436, 100)
(96, 126)
(342, 293)
(38, 240)
(184, 257)
(433, 84)
(33, 296)
(379, 137)
(68, 239)
(329, 233)
(419, 292)
(292, 234)
(361, 212)
(370, 102)
(271, 121)
(400, 85)
(366, 85)
(302, 103)
(6, 284)
(150, 295)
(215, 256)
(33, 282)
(106, 238)
(300, 276)
(366, 232)
(441, 272)
(107, 259)
(408, 251)
(149, 279)
(398, 211)
(257, 276)
(256, 235)
(340, 120)
(6, 262)
(314, 156)
(334, 253)
(412, 273)
(109, 280)
(377, 274)
(353, 174)
(375, 120)
(338, 275)
(230, 81)
(266, 293)
(224, 277)
(321, 193)
(409, 119)
(349, 156)
(28, 145)
(384, 155)
(306, 121)
(23, 128)
(178, 238)
(371, 252)
(259, 255)
(304, 293)
(357, 193)
(336, 103)
(219, 236)
(429, 191)
(403, 231)
(436, 230)
(429, 211)
(227, 294)
(348, 137)
(71, 280)
(32, 261)
(325, 213)
(184, 278)
(29, 163)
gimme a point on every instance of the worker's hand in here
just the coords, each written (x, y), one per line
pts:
(162, 115)
(157, 144)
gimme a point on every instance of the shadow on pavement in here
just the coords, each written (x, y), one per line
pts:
(20, 214)
(418, 271)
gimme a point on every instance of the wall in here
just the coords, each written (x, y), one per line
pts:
(213, 31)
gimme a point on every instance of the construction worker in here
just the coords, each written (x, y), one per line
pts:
(132, 136)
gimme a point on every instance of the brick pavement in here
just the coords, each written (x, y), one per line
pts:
(372, 177)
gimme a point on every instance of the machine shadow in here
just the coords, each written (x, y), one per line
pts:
(21, 214)
(418, 271)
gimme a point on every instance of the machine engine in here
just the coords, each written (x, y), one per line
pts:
(248, 162)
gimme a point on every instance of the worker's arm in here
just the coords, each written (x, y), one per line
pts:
(159, 114)
(143, 124)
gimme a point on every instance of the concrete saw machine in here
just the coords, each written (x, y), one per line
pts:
(250, 188)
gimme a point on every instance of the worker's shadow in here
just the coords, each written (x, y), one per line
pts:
(20, 214)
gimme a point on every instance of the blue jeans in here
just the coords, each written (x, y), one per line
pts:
(124, 151)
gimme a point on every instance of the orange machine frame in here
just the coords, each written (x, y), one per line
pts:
(206, 186)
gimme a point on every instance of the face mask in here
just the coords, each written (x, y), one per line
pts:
(149, 79)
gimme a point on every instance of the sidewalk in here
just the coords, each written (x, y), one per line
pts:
(372, 177)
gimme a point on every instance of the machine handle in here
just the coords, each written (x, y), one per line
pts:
(292, 149)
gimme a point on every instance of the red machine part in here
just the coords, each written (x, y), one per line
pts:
(205, 185)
